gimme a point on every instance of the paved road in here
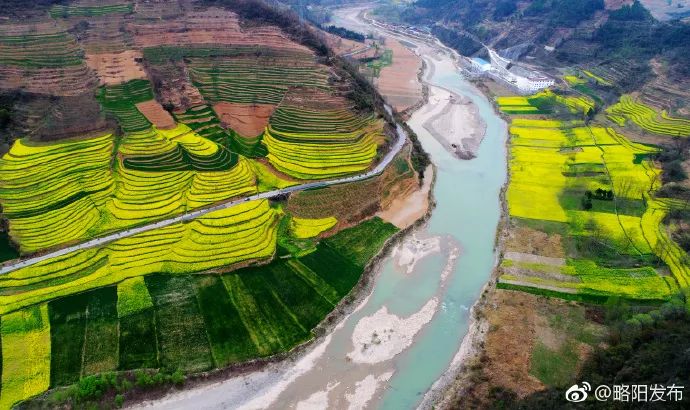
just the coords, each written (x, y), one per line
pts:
(402, 137)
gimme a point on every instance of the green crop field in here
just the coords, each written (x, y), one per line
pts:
(58, 11)
(187, 322)
(647, 118)
(53, 49)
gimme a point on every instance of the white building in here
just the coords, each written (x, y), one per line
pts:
(532, 85)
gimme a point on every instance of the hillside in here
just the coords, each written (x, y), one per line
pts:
(619, 41)
(117, 114)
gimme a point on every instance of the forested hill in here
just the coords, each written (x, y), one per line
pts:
(573, 32)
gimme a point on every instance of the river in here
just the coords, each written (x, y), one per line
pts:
(404, 335)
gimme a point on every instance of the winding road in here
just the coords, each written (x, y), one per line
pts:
(188, 216)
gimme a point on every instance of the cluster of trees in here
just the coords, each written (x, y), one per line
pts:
(463, 43)
(644, 347)
(21, 8)
(632, 34)
(671, 158)
(600, 194)
(564, 12)
(345, 33)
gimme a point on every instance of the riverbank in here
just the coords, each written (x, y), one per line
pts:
(425, 290)
(228, 387)
(440, 121)
(454, 122)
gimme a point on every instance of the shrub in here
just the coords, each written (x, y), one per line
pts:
(673, 171)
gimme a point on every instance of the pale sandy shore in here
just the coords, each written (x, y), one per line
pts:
(404, 211)
(454, 122)
(382, 336)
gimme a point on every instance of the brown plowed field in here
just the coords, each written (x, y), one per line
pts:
(213, 26)
(398, 82)
(342, 45)
(116, 68)
(63, 81)
(247, 120)
(154, 112)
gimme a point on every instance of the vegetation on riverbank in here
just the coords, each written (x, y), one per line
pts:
(229, 106)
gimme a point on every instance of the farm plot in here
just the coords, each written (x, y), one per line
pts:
(647, 118)
(49, 47)
(204, 121)
(26, 354)
(545, 102)
(261, 77)
(60, 192)
(187, 322)
(308, 228)
(52, 193)
(42, 58)
(322, 139)
(61, 11)
(176, 149)
(120, 101)
(516, 105)
(212, 27)
(246, 232)
(593, 183)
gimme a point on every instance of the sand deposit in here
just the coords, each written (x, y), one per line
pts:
(454, 121)
(365, 390)
(318, 400)
(404, 210)
(382, 336)
(413, 249)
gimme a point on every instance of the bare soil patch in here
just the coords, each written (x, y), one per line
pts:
(353, 202)
(399, 82)
(410, 204)
(531, 241)
(518, 322)
(248, 120)
(116, 68)
(342, 45)
(154, 112)
(212, 26)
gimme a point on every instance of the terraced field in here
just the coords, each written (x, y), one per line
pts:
(63, 11)
(321, 139)
(255, 76)
(591, 185)
(169, 127)
(61, 192)
(42, 57)
(647, 118)
(188, 322)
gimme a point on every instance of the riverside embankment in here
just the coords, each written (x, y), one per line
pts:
(408, 325)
